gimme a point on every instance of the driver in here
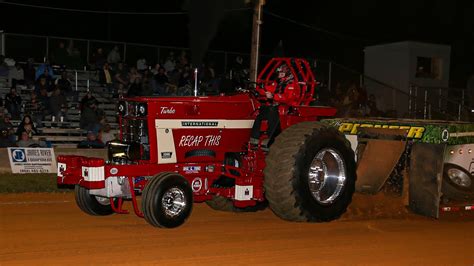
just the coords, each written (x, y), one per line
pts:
(269, 111)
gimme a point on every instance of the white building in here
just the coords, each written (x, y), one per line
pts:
(402, 64)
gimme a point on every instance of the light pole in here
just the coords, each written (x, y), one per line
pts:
(257, 21)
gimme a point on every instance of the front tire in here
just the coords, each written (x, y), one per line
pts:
(167, 200)
(90, 204)
(310, 173)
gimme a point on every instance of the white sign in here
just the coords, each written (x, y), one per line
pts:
(32, 160)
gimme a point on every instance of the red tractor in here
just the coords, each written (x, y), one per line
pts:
(174, 151)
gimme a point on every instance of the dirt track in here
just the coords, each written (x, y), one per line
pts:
(50, 229)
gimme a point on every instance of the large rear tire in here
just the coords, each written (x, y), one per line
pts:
(90, 204)
(167, 200)
(457, 184)
(310, 173)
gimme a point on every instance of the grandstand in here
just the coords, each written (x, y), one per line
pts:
(68, 133)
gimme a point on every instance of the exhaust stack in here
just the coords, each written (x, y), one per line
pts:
(195, 82)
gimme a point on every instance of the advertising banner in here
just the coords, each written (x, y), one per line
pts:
(32, 160)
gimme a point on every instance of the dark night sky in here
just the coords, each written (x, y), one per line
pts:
(359, 23)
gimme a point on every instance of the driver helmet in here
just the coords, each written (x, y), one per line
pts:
(284, 72)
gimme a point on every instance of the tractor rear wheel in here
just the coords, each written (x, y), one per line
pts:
(90, 204)
(310, 173)
(167, 200)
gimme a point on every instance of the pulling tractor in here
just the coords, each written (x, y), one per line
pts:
(174, 151)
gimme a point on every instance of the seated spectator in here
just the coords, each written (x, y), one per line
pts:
(57, 104)
(98, 59)
(47, 75)
(16, 76)
(36, 110)
(170, 63)
(30, 73)
(91, 117)
(141, 64)
(3, 67)
(372, 105)
(41, 70)
(5, 140)
(26, 141)
(161, 81)
(92, 142)
(106, 134)
(113, 57)
(86, 100)
(135, 80)
(8, 126)
(121, 79)
(42, 84)
(27, 126)
(64, 84)
(60, 54)
(13, 103)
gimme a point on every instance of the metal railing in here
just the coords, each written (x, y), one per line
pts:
(39, 47)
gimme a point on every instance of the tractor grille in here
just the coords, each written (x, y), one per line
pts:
(136, 130)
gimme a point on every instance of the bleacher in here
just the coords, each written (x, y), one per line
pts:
(68, 132)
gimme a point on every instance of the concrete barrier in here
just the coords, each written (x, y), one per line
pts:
(99, 153)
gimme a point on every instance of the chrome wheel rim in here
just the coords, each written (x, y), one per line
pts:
(102, 200)
(173, 202)
(326, 176)
(459, 178)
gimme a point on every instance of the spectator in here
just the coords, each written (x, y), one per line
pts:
(27, 126)
(121, 78)
(161, 81)
(183, 59)
(60, 55)
(114, 56)
(16, 76)
(35, 109)
(42, 84)
(64, 84)
(30, 73)
(372, 105)
(5, 140)
(105, 77)
(57, 104)
(98, 59)
(13, 103)
(86, 100)
(135, 79)
(26, 141)
(3, 67)
(170, 63)
(41, 71)
(141, 64)
(48, 77)
(8, 127)
(106, 134)
(92, 142)
(91, 117)
(43, 100)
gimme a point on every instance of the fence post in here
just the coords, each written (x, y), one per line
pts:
(124, 52)
(2, 42)
(88, 52)
(225, 63)
(76, 78)
(330, 75)
(416, 102)
(47, 47)
(410, 101)
(425, 104)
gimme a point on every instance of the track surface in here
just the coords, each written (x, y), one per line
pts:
(49, 229)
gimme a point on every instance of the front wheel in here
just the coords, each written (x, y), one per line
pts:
(310, 173)
(91, 204)
(458, 184)
(167, 200)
